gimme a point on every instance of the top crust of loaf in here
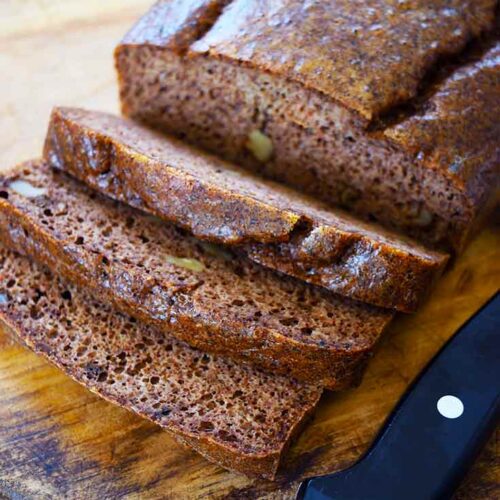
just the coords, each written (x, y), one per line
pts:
(175, 23)
(370, 56)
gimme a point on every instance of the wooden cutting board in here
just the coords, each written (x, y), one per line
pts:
(57, 440)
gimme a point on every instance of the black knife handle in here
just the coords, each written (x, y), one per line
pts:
(426, 447)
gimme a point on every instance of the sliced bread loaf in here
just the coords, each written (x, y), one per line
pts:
(218, 201)
(363, 103)
(236, 416)
(210, 298)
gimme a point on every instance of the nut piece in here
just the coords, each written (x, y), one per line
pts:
(260, 145)
(26, 189)
(424, 218)
(190, 264)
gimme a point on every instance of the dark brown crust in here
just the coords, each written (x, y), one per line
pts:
(253, 463)
(362, 269)
(333, 365)
(176, 23)
(335, 46)
(275, 226)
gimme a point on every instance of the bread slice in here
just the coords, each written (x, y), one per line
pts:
(236, 416)
(217, 201)
(366, 104)
(207, 297)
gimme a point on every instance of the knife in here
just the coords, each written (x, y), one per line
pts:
(438, 427)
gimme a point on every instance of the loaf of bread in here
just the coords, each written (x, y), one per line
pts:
(388, 108)
(236, 416)
(220, 202)
(208, 297)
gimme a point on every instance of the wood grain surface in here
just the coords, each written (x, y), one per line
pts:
(57, 440)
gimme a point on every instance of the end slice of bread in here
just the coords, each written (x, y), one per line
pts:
(236, 416)
(206, 296)
(217, 201)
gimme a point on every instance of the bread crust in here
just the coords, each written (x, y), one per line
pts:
(176, 23)
(216, 201)
(334, 47)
